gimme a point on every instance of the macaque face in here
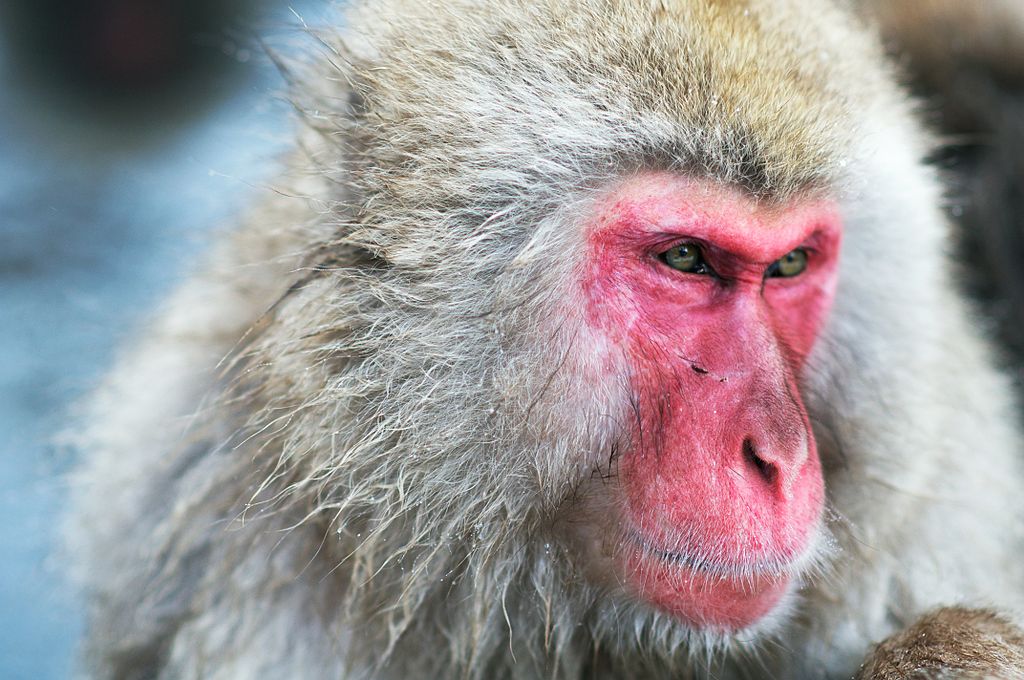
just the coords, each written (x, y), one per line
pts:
(713, 301)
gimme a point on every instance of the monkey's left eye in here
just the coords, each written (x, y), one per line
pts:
(686, 257)
(792, 263)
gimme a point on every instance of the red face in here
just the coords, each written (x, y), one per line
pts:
(714, 302)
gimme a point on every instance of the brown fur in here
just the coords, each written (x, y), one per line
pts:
(951, 643)
(942, 37)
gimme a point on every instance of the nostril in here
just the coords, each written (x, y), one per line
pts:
(767, 471)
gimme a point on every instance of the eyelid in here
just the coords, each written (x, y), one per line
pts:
(667, 242)
(811, 251)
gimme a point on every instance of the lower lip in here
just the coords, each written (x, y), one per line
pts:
(703, 599)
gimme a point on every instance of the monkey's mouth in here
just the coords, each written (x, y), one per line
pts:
(704, 592)
(717, 568)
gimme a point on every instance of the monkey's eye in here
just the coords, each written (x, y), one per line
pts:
(792, 263)
(686, 257)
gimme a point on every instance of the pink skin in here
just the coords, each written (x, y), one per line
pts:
(723, 487)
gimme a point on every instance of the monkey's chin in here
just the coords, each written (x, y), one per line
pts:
(725, 600)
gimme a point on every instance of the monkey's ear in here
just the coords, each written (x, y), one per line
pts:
(966, 59)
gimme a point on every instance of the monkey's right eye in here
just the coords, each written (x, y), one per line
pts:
(686, 257)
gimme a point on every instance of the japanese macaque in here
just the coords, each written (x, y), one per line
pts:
(584, 339)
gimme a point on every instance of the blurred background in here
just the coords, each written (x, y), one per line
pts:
(130, 130)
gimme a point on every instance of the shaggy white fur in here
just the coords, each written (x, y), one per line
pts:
(343, 449)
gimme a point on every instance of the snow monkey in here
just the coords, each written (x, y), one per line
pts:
(582, 339)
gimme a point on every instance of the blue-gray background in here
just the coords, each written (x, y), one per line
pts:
(98, 219)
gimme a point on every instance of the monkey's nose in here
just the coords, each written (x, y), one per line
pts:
(777, 464)
(765, 469)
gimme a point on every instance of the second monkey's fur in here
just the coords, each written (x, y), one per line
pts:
(370, 484)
